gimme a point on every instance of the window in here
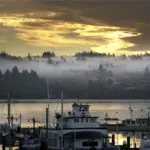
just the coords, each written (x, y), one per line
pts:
(82, 119)
(92, 119)
(76, 120)
(66, 120)
(87, 119)
(90, 143)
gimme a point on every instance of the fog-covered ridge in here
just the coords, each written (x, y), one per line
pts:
(71, 66)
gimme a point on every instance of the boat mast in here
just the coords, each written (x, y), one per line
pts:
(62, 117)
(47, 109)
(9, 128)
(48, 95)
(20, 119)
(131, 110)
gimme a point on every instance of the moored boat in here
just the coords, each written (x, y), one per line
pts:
(76, 130)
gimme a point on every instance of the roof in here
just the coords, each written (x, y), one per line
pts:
(70, 117)
(111, 119)
(85, 135)
(80, 105)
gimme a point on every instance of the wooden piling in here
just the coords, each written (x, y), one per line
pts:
(113, 139)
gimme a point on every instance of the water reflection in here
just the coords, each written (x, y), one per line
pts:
(122, 137)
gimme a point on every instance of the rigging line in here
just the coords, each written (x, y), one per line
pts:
(56, 105)
(16, 112)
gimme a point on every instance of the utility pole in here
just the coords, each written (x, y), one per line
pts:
(9, 127)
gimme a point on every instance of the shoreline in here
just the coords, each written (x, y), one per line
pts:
(38, 101)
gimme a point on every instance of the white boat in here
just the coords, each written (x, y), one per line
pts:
(77, 130)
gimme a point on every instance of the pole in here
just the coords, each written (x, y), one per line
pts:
(9, 121)
(47, 123)
(134, 141)
(113, 139)
(48, 96)
(62, 117)
(20, 119)
(131, 110)
(117, 129)
(3, 142)
(128, 142)
(74, 139)
(33, 125)
(117, 133)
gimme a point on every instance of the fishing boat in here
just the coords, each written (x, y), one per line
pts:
(77, 130)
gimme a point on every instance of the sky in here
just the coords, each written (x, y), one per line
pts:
(70, 26)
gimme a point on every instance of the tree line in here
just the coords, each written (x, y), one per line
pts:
(22, 84)
(79, 55)
(28, 85)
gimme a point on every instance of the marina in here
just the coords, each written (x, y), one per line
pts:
(74, 75)
(37, 114)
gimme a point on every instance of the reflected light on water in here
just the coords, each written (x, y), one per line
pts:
(122, 137)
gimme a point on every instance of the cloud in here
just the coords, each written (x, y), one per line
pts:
(42, 32)
(104, 26)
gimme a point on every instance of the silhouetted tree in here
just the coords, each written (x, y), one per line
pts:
(5, 55)
(1, 75)
(48, 54)
(92, 54)
(15, 71)
(29, 57)
(101, 69)
(110, 82)
(22, 84)
(50, 61)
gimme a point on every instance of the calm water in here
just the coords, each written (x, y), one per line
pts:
(114, 108)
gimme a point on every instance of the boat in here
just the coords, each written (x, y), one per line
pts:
(137, 122)
(77, 130)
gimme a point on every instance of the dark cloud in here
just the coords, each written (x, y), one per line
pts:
(133, 15)
(35, 24)
(70, 35)
(128, 14)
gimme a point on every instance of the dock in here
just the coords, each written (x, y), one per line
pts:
(123, 128)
